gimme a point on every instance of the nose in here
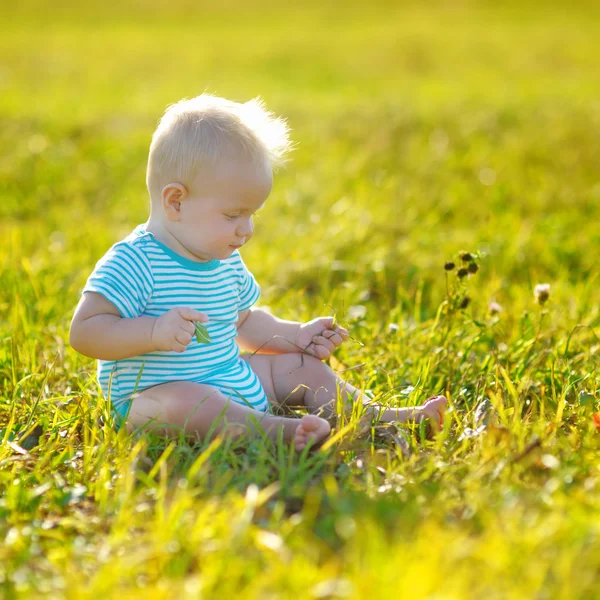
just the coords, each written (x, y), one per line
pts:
(245, 228)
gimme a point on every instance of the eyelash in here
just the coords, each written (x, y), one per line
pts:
(232, 217)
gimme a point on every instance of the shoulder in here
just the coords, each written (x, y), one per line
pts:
(138, 242)
(131, 253)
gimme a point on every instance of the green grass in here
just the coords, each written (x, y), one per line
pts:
(421, 132)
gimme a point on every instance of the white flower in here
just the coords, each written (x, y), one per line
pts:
(494, 308)
(357, 311)
(542, 292)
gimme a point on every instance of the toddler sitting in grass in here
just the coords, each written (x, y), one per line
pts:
(209, 171)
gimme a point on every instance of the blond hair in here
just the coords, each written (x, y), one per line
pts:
(201, 130)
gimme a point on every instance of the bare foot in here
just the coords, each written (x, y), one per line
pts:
(311, 430)
(433, 410)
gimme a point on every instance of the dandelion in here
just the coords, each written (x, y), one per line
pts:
(357, 312)
(494, 308)
(466, 257)
(473, 268)
(449, 266)
(462, 273)
(542, 292)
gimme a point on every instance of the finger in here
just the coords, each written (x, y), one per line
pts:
(442, 414)
(189, 314)
(431, 417)
(432, 413)
(318, 351)
(188, 327)
(327, 322)
(342, 331)
(323, 341)
(437, 403)
(333, 337)
(440, 400)
(322, 353)
(179, 348)
(184, 337)
(311, 349)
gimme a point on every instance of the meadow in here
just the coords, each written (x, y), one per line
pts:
(423, 131)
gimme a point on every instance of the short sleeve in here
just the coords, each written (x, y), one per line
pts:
(249, 290)
(124, 277)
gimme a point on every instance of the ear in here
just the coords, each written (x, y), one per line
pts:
(171, 198)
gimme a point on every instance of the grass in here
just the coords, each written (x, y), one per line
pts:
(422, 132)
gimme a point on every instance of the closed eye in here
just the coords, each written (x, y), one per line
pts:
(232, 217)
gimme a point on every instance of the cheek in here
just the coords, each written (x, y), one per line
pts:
(225, 228)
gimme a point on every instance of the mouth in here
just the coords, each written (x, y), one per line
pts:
(236, 247)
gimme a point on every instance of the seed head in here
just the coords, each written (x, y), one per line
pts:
(462, 273)
(465, 302)
(466, 257)
(541, 292)
(449, 266)
(494, 308)
(473, 268)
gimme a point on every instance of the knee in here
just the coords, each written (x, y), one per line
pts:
(312, 366)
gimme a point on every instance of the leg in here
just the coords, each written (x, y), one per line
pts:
(195, 408)
(296, 380)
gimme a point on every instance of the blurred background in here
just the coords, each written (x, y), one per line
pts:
(422, 129)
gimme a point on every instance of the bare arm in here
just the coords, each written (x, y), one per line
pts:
(99, 331)
(260, 331)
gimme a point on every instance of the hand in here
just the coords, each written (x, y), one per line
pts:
(320, 337)
(174, 330)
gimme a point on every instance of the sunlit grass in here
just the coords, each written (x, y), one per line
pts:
(423, 133)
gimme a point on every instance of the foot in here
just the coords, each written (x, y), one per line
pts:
(433, 410)
(311, 430)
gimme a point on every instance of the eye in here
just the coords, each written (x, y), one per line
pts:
(231, 217)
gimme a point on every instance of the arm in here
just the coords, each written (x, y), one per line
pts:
(99, 331)
(260, 331)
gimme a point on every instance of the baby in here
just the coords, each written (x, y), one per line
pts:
(209, 172)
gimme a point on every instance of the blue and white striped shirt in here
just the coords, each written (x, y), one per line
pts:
(143, 277)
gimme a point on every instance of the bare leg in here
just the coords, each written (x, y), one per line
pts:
(297, 380)
(200, 410)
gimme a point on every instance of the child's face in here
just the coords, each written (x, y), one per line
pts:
(216, 216)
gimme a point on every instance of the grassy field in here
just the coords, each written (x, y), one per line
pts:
(423, 130)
